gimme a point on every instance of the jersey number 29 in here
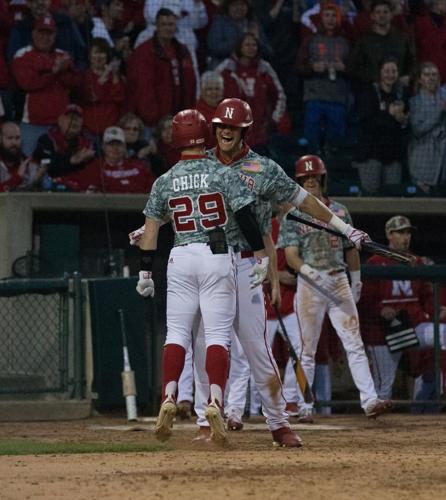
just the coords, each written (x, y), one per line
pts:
(211, 207)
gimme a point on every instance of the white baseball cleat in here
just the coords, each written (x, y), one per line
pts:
(215, 418)
(163, 426)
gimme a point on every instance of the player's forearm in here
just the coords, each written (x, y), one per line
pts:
(149, 238)
(273, 274)
(293, 259)
(352, 259)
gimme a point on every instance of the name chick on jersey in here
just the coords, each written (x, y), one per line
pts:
(190, 181)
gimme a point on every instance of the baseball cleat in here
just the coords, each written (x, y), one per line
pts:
(292, 409)
(215, 418)
(163, 426)
(286, 438)
(234, 425)
(184, 410)
(305, 416)
(203, 435)
(379, 407)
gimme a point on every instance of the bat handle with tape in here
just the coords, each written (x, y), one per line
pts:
(128, 375)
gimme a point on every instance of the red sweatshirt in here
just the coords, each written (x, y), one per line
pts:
(413, 296)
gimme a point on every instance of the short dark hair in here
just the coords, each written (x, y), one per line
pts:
(164, 12)
(102, 45)
(376, 3)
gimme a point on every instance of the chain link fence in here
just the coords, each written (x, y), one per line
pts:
(35, 319)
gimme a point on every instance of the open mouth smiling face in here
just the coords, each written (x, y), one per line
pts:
(228, 137)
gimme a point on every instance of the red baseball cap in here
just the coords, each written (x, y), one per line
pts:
(45, 23)
(73, 108)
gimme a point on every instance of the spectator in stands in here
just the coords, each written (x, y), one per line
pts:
(383, 117)
(191, 15)
(17, 171)
(280, 21)
(427, 147)
(311, 18)
(66, 148)
(430, 36)
(383, 300)
(6, 104)
(137, 145)
(67, 36)
(163, 66)
(363, 22)
(225, 31)
(103, 88)
(47, 76)
(248, 76)
(163, 134)
(322, 58)
(114, 172)
(381, 41)
(212, 88)
(80, 13)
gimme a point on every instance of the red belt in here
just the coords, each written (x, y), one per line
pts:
(246, 254)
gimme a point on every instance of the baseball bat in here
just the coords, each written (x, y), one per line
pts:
(330, 296)
(297, 365)
(128, 375)
(368, 246)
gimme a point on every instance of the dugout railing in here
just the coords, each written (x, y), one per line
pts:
(404, 386)
(41, 329)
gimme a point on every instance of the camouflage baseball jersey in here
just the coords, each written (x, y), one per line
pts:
(268, 181)
(316, 248)
(197, 195)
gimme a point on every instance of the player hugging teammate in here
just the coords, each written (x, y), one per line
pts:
(201, 274)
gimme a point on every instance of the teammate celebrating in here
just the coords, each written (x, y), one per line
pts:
(269, 182)
(201, 200)
(320, 257)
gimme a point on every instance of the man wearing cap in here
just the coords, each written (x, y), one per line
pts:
(113, 172)
(67, 38)
(66, 148)
(386, 300)
(47, 76)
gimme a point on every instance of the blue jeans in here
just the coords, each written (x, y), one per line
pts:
(324, 118)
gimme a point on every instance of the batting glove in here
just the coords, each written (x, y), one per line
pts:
(259, 271)
(145, 286)
(135, 236)
(356, 285)
(310, 272)
(356, 236)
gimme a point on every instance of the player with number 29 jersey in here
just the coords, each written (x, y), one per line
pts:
(198, 195)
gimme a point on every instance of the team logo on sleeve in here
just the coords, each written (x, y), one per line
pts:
(251, 167)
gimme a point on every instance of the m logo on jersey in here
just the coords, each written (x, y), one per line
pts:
(229, 113)
(308, 166)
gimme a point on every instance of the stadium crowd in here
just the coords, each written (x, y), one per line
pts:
(340, 75)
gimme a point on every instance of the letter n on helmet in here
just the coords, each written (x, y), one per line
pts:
(234, 112)
(310, 165)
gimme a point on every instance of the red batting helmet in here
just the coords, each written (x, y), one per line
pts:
(189, 128)
(309, 165)
(233, 112)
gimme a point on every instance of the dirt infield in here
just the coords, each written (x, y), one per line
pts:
(396, 457)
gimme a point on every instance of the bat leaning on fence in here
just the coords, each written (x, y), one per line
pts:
(367, 246)
(297, 365)
(128, 375)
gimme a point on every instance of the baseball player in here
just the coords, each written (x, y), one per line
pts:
(268, 182)
(202, 201)
(384, 299)
(320, 257)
